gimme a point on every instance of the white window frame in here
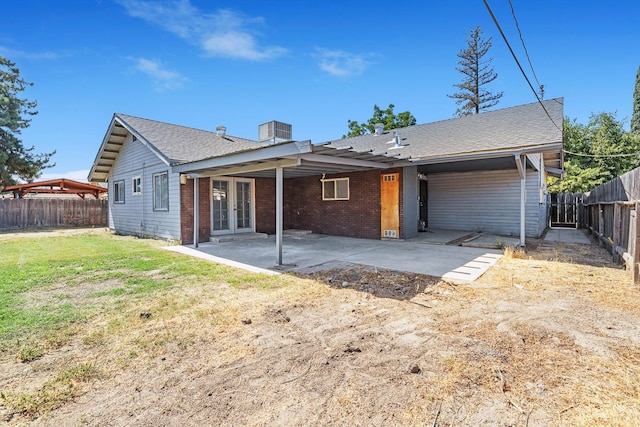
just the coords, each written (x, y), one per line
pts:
(118, 191)
(136, 188)
(334, 181)
(164, 204)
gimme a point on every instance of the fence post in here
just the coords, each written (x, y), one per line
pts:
(600, 223)
(578, 208)
(635, 244)
(617, 230)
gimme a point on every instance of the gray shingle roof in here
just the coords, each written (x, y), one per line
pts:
(524, 126)
(488, 134)
(181, 144)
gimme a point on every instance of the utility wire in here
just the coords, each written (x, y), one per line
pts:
(515, 58)
(526, 52)
(606, 156)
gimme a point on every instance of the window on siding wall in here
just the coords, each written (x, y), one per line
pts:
(136, 185)
(161, 191)
(335, 189)
(118, 192)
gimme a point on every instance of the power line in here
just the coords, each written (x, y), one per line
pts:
(606, 156)
(515, 58)
(526, 52)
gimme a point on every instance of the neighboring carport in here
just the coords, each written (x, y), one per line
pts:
(57, 187)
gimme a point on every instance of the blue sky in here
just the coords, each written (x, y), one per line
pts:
(312, 64)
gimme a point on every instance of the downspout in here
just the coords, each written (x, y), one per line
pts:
(279, 215)
(143, 194)
(196, 213)
(521, 164)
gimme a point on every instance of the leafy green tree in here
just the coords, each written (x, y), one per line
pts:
(596, 153)
(386, 117)
(616, 150)
(16, 161)
(635, 117)
(477, 73)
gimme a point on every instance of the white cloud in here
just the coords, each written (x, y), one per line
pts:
(79, 175)
(225, 33)
(37, 56)
(239, 45)
(342, 64)
(163, 79)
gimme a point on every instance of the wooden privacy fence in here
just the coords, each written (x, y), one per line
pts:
(26, 213)
(611, 212)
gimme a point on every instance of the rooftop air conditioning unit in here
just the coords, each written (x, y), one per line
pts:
(274, 131)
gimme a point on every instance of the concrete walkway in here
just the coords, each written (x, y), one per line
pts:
(567, 235)
(470, 239)
(455, 263)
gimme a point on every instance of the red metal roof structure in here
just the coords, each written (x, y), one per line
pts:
(57, 186)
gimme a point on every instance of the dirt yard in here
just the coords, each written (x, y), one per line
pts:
(550, 340)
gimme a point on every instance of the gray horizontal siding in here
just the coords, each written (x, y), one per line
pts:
(486, 201)
(136, 215)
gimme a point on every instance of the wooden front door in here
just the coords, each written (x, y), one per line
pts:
(390, 205)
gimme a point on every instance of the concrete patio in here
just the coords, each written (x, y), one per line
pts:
(458, 256)
(454, 263)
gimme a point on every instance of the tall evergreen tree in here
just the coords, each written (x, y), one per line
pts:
(16, 161)
(478, 72)
(635, 117)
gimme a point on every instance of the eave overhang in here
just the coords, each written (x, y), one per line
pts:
(112, 143)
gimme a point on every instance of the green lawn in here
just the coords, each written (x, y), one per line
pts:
(93, 291)
(50, 286)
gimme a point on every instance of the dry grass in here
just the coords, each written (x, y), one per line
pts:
(610, 394)
(174, 322)
(204, 318)
(63, 387)
(591, 386)
(536, 341)
(513, 252)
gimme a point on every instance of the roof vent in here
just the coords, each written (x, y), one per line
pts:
(379, 128)
(221, 130)
(274, 131)
(396, 141)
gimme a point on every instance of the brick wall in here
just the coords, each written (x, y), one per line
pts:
(303, 207)
(186, 211)
(265, 214)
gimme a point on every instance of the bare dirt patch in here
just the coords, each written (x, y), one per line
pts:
(553, 339)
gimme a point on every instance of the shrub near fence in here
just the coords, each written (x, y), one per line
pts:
(27, 213)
